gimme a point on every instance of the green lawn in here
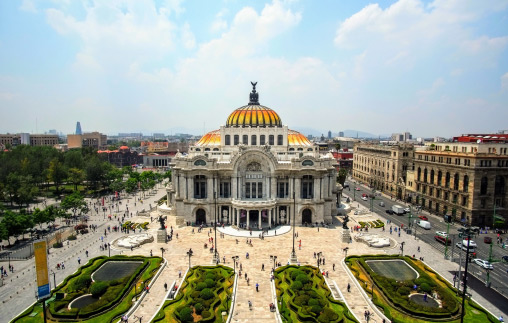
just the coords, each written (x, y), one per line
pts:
(204, 295)
(391, 295)
(302, 295)
(115, 300)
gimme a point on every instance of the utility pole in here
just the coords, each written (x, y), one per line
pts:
(487, 282)
(463, 312)
(446, 239)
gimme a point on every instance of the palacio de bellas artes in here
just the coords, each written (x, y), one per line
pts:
(254, 173)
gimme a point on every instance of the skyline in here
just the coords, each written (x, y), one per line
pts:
(433, 68)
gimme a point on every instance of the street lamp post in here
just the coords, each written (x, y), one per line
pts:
(293, 253)
(215, 254)
(54, 279)
(274, 258)
(319, 258)
(463, 312)
(402, 248)
(235, 258)
(162, 251)
(109, 249)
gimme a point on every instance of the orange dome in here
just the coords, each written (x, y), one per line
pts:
(210, 139)
(254, 116)
(124, 147)
(297, 139)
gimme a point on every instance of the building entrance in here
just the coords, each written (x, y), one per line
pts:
(200, 216)
(307, 216)
(254, 218)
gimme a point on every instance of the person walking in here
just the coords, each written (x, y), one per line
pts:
(257, 287)
(79, 261)
(348, 288)
(166, 287)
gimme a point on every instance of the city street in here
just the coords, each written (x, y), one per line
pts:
(498, 276)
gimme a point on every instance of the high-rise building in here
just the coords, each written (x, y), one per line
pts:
(78, 128)
(341, 133)
(329, 134)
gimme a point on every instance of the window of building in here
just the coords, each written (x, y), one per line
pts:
(446, 196)
(464, 200)
(282, 187)
(418, 178)
(271, 140)
(456, 181)
(425, 175)
(262, 140)
(236, 140)
(227, 140)
(253, 140)
(483, 203)
(438, 193)
(447, 180)
(280, 140)
(439, 178)
(245, 139)
(224, 189)
(431, 191)
(465, 183)
(483, 185)
(307, 187)
(200, 187)
(499, 185)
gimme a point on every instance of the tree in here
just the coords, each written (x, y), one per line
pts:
(45, 216)
(74, 159)
(74, 202)
(131, 184)
(57, 173)
(12, 224)
(341, 176)
(11, 186)
(94, 171)
(26, 192)
(76, 177)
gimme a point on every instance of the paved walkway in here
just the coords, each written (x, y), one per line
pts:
(232, 231)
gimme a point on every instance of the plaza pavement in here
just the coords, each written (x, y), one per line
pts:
(18, 294)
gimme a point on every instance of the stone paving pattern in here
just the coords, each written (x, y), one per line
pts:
(19, 293)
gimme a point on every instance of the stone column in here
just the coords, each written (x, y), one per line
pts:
(248, 218)
(260, 218)
(237, 211)
(269, 217)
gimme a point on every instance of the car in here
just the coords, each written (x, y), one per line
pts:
(389, 211)
(358, 189)
(423, 217)
(487, 240)
(407, 210)
(364, 198)
(483, 263)
(441, 234)
(382, 204)
(499, 231)
(505, 258)
(346, 185)
(443, 240)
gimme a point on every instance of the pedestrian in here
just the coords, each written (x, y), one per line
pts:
(150, 253)
(348, 288)
(79, 261)
(333, 266)
(257, 287)
(166, 287)
(179, 274)
(86, 252)
(418, 248)
(262, 267)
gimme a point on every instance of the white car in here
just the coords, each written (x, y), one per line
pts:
(364, 198)
(484, 264)
(407, 210)
(442, 234)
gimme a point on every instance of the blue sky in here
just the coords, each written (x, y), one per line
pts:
(434, 68)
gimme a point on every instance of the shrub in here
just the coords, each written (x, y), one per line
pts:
(98, 288)
(209, 283)
(186, 314)
(323, 318)
(198, 307)
(206, 314)
(295, 273)
(425, 287)
(316, 309)
(57, 245)
(301, 300)
(200, 286)
(206, 293)
(297, 285)
(210, 275)
(304, 279)
(72, 237)
(81, 282)
(313, 301)
(404, 291)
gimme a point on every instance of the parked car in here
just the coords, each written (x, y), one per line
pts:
(382, 203)
(389, 211)
(442, 234)
(358, 189)
(487, 240)
(505, 258)
(407, 210)
(443, 240)
(423, 217)
(483, 263)
(364, 198)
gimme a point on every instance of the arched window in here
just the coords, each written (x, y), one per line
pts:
(228, 140)
(253, 140)
(499, 185)
(200, 187)
(432, 176)
(419, 174)
(439, 178)
(456, 181)
(483, 186)
(236, 139)
(271, 140)
(307, 187)
(425, 175)
(447, 180)
(280, 140)
(465, 184)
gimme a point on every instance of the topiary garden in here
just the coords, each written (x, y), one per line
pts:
(397, 298)
(102, 300)
(302, 295)
(204, 295)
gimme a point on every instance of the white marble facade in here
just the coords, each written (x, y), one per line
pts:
(254, 172)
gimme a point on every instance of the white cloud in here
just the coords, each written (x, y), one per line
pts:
(504, 81)
(220, 23)
(188, 39)
(29, 6)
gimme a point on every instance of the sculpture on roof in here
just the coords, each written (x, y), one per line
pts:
(254, 96)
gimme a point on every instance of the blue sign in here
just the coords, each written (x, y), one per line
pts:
(43, 291)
